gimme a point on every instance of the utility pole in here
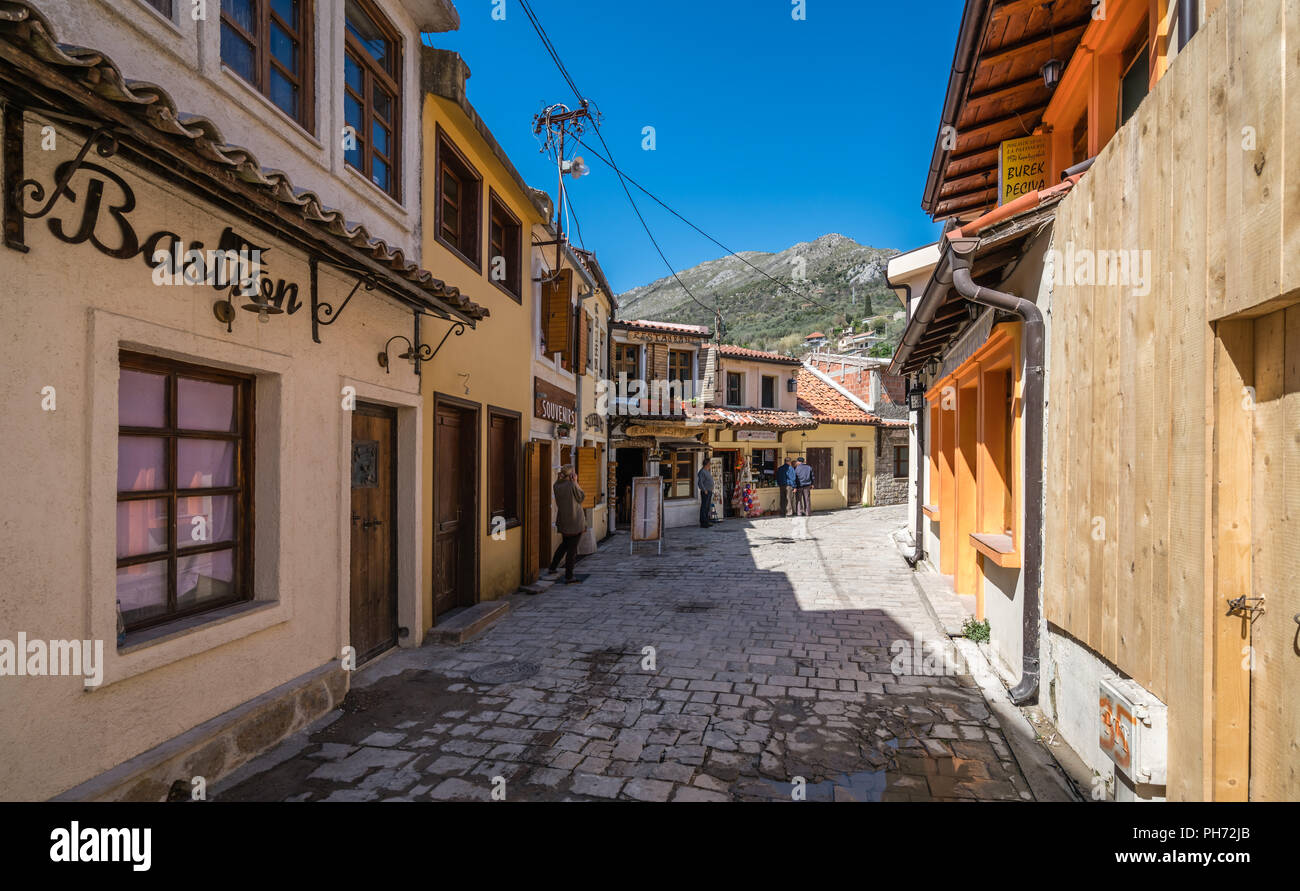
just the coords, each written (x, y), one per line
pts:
(556, 121)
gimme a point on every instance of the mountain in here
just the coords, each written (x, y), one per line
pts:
(844, 283)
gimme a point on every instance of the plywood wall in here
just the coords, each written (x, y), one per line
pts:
(1204, 178)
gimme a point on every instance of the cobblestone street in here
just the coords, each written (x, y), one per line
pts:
(772, 662)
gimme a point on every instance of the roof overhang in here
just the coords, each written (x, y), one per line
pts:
(433, 16)
(995, 92)
(941, 316)
(85, 90)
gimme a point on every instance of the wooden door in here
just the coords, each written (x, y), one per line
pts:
(1256, 631)
(455, 490)
(855, 476)
(373, 608)
(541, 516)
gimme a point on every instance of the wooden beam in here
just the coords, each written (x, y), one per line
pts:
(1003, 91)
(1065, 38)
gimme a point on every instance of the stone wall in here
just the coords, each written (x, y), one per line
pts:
(890, 489)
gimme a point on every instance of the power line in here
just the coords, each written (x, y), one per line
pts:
(610, 162)
(564, 72)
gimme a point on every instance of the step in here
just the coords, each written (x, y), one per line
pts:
(465, 622)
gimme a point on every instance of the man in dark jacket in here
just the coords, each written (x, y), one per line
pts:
(570, 520)
(803, 480)
(785, 479)
(704, 482)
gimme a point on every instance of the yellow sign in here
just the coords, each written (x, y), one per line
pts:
(1022, 167)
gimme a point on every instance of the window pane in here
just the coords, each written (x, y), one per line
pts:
(205, 405)
(216, 515)
(364, 29)
(237, 53)
(353, 76)
(354, 117)
(379, 175)
(204, 463)
(383, 103)
(380, 138)
(287, 10)
(204, 577)
(141, 527)
(284, 94)
(163, 6)
(141, 399)
(283, 48)
(141, 463)
(142, 590)
(242, 12)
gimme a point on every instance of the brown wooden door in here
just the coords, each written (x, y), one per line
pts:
(373, 613)
(855, 476)
(455, 474)
(541, 515)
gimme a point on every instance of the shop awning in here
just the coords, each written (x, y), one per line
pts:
(680, 445)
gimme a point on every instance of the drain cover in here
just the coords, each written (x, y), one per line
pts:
(504, 672)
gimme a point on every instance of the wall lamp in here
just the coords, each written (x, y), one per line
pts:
(417, 352)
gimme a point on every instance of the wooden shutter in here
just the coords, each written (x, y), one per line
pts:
(657, 361)
(534, 477)
(584, 341)
(589, 474)
(557, 312)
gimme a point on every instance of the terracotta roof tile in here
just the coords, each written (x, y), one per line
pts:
(828, 405)
(739, 352)
(787, 420)
(665, 326)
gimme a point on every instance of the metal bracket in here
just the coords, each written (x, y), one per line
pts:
(1247, 605)
(324, 313)
(418, 352)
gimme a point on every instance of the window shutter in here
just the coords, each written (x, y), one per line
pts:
(589, 475)
(558, 315)
(584, 341)
(658, 361)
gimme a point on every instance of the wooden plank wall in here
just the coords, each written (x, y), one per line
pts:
(1130, 538)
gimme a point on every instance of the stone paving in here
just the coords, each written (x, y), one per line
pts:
(785, 664)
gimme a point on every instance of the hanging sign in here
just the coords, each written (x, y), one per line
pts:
(553, 404)
(1022, 167)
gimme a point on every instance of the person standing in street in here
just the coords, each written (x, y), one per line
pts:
(803, 480)
(704, 482)
(785, 479)
(570, 520)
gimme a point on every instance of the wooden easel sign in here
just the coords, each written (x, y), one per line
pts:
(647, 511)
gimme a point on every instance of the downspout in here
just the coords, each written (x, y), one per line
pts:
(1189, 21)
(918, 536)
(962, 251)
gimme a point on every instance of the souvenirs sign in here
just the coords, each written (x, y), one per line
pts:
(553, 404)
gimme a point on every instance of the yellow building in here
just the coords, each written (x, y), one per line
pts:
(479, 223)
(769, 408)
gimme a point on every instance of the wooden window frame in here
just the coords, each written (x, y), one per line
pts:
(241, 544)
(903, 449)
(263, 60)
(447, 158)
(392, 82)
(672, 479)
(621, 361)
(740, 388)
(493, 414)
(513, 284)
(762, 393)
(686, 367)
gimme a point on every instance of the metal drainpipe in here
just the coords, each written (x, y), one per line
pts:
(963, 249)
(1189, 21)
(918, 537)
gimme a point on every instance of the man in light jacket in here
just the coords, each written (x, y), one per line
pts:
(704, 482)
(570, 520)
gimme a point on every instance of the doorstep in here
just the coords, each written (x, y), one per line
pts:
(463, 623)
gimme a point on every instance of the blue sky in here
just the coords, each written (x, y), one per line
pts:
(769, 131)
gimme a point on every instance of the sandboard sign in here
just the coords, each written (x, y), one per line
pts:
(647, 511)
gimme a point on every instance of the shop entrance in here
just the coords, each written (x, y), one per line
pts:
(372, 616)
(455, 505)
(538, 531)
(728, 482)
(628, 464)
